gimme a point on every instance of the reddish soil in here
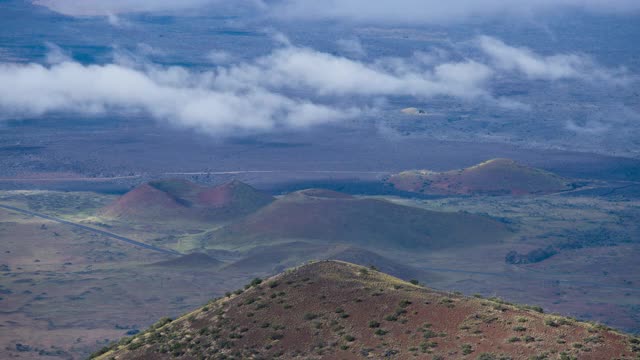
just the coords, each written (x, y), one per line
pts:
(356, 221)
(181, 199)
(493, 177)
(336, 310)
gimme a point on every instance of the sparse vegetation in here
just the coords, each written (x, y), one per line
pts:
(381, 332)
(310, 316)
(349, 338)
(466, 349)
(230, 327)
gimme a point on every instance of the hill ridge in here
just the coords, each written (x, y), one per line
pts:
(498, 176)
(337, 310)
(351, 220)
(179, 199)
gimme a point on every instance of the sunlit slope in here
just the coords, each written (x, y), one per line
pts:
(337, 310)
(493, 177)
(183, 200)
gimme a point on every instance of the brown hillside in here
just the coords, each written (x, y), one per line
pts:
(338, 218)
(195, 260)
(276, 258)
(337, 310)
(493, 177)
(176, 200)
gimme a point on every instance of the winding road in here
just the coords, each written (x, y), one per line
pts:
(88, 228)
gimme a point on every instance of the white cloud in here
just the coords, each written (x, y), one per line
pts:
(397, 11)
(167, 94)
(55, 54)
(247, 96)
(115, 7)
(352, 47)
(220, 57)
(328, 75)
(117, 21)
(590, 128)
(554, 67)
(290, 87)
(435, 11)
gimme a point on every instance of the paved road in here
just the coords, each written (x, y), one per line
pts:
(97, 231)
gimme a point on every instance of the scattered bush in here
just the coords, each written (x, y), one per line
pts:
(565, 356)
(529, 339)
(597, 339)
(310, 316)
(428, 334)
(374, 324)
(535, 308)
(162, 322)
(487, 356)
(391, 318)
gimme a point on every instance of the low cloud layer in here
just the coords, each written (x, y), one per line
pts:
(113, 7)
(105, 8)
(555, 67)
(434, 11)
(173, 95)
(290, 88)
(398, 11)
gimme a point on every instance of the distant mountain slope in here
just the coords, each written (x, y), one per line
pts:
(276, 258)
(195, 261)
(330, 217)
(493, 177)
(183, 200)
(337, 310)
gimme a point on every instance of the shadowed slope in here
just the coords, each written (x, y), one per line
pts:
(340, 218)
(195, 261)
(337, 310)
(493, 177)
(168, 200)
(276, 258)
